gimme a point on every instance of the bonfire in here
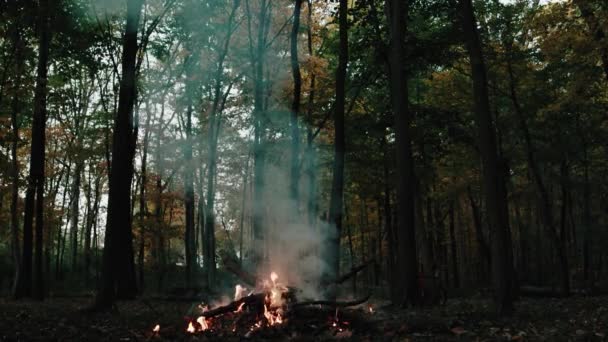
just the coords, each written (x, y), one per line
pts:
(271, 309)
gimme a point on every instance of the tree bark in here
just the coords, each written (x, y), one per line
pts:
(143, 204)
(118, 269)
(336, 201)
(259, 144)
(310, 158)
(219, 101)
(15, 113)
(75, 205)
(295, 109)
(493, 173)
(34, 201)
(189, 237)
(454, 254)
(407, 259)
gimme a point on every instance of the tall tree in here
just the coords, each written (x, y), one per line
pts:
(15, 118)
(337, 185)
(493, 169)
(34, 200)
(189, 237)
(258, 54)
(406, 264)
(118, 269)
(219, 101)
(295, 107)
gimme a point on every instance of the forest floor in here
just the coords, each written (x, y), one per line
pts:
(63, 319)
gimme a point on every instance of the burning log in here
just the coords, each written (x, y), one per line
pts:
(253, 300)
(272, 310)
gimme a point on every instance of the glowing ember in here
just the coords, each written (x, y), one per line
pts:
(191, 328)
(371, 309)
(156, 329)
(273, 317)
(240, 308)
(203, 323)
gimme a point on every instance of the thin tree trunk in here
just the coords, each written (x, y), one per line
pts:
(75, 211)
(337, 185)
(311, 205)
(189, 236)
(493, 173)
(295, 108)
(15, 113)
(219, 101)
(259, 118)
(60, 236)
(351, 250)
(545, 198)
(143, 207)
(243, 208)
(454, 253)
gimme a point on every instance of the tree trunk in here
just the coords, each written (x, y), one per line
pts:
(259, 118)
(295, 109)
(35, 188)
(545, 198)
(118, 269)
(493, 173)
(407, 259)
(454, 254)
(337, 185)
(219, 101)
(143, 207)
(310, 170)
(243, 208)
(189, 237)
(75, 211)
(91, 220)
(15, 113)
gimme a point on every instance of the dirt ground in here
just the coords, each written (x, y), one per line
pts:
(63, 319)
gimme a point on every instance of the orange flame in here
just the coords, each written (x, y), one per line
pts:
(191, 328)
(156, 328)
(201, 320)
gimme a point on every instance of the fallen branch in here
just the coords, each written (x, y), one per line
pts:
(353, 271)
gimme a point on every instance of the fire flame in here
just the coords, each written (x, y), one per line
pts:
(371, 309)
(191, 328)
(273, 317)
(240, 308)
(156, 328)
(203, 323)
